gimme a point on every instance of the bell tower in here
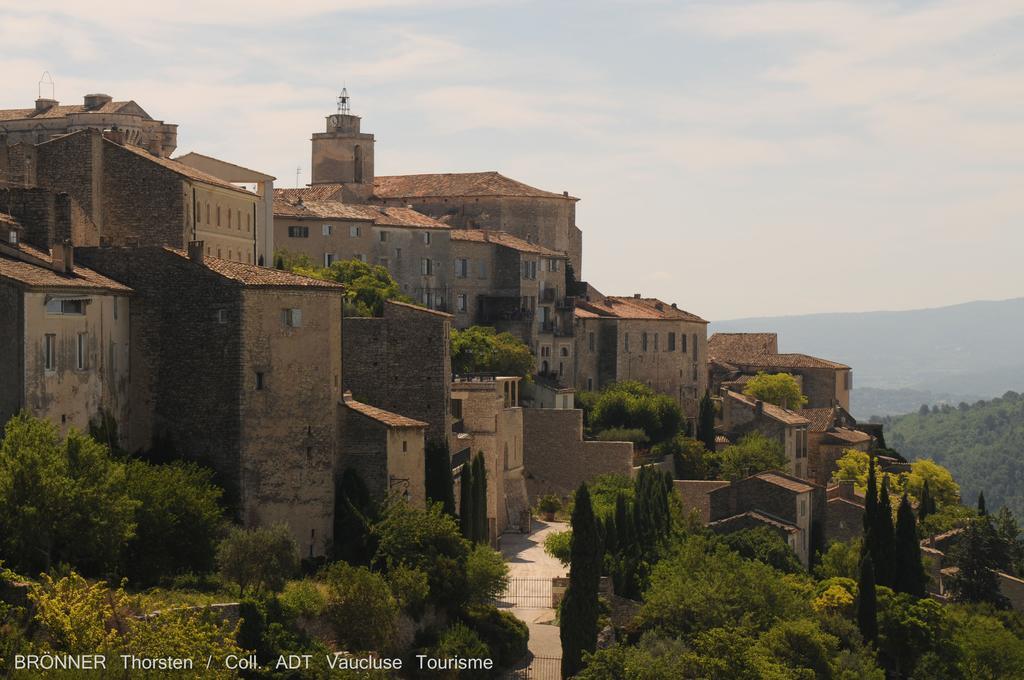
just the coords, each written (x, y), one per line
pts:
(343, 154)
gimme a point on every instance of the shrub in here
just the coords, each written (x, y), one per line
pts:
(302, 598)
(504, 634)
(549, 503)
(556, 544)
(624, 434)
(411, 589)
(460, 641)
(486, 575)
(360, 607)
(258, 558)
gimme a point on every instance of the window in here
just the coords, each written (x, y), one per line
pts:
(590, 384)
(655, 342)
(218, 215)
(529, 269)
(425, 298)
(292, 317)
(405, 446)
(80, 353)
(328, 229)
(671, 342)
(481, 269)
(229, 253)
(591, 342)
(627, 342)
(398, 253)
(50, 351)
(460, 302)
(298, 232)
(238, 221)
(643, 342)
(60, 306)
(461, 267)
(207, 212)
(847, 380)
(565, 351)
(426, 267)
(803, 507)
(426, 238)
(259, 380)
(682, 343)
(222, 316)
(383, 237)
(694, 346)
(552, 265)
(545, 351)
(229, 219)
(329, 259)
(355, 231)
(248, 220)
(115, 308)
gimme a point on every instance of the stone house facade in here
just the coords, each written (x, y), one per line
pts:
(239, 368)
(734, 357)
(831, 433)
(385, 449)
(64, 338)
(644, 339)
(401, 362)
(845, 512)
(488, 414)
(49, 119)
(739, 415)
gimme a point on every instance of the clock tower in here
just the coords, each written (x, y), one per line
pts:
(343, 154)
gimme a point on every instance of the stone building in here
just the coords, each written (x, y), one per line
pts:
(401, 362)
(556, 457)
(239, 368)
(793, 507)
(64, 337)
(734, 357)
(385, 449)
(486, 412)
(343, 155)
(124, 195)
(739, 415)
(831, 432)
(644, 339)
(49, 119)
(844, 518)
(414, 248)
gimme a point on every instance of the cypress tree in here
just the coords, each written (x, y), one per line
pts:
(579, 612)
(884, 538)
(870, 512)
(867, 602)
(909, 577)
(924, 508)
(977, 557)
(480, 525)
(466, 498)
(706, 422)
(981, 503)
(438, 476)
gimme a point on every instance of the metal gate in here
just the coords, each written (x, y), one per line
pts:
(538, 668)
(527, 593)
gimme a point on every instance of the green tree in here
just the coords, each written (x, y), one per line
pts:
(781, 389)
(631, 405)
(764, 545)
(486, 575)
(867, 603)
(752, 454)
(438, 475)
(482, 349)
(579, 611)
(977, 556)
(258, 559)
(354, 514)
(467, 500)
(179, 521)
(360, 607)
(927, 504)
(840, 560)
(981, 503)
(689, 457)
(884, 538)
(61, 500)
(459, 640)
(706, 422)
(909, 576)
(367, 286)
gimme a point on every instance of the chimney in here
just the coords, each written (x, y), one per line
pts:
(195, 251)
(62, 256)
(43, 104)
(566, 194)
(115, 135)
(846, 489)
(758, 407)
(674, 306)
(96, 100)
(636, 296)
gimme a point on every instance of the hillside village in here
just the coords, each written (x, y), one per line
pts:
(158, 294)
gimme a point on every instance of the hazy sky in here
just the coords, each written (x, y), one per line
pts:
(738, 158)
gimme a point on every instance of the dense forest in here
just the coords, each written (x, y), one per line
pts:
(982, 444)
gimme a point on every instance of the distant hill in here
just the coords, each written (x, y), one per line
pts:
(981, 444)
(946, 354)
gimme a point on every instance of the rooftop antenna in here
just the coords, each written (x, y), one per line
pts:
(46, 80)
(343, 101)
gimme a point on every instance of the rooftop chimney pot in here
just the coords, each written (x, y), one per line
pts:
(96, 100)
(44, 104)
(195, 251)
(636, 296)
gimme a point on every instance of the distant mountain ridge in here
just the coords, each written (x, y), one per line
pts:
(957, 353)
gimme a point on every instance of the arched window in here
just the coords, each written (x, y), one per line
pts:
(358, 175)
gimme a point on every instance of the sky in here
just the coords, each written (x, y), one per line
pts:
(739, 158)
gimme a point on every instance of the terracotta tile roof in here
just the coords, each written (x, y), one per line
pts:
(785, 481)
(821, 418)
(456, 184)
(8, 220)
(384, 216)
(726, 345)
(503, 239)
(38, 274)
(771, 410)
(316, 192)
(760, 517)
(259, 277)
(174, 166)
(59, 111)
(418, 308)
(849, 436)
(623, 307)
(380, 415)
(787, 361)
(847, 501)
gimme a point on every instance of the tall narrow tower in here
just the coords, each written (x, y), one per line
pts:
(343, 154)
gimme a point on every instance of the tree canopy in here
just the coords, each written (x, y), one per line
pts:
(752, 454)
(367, 286)
(631, 405)
(482, 349)
(781, 389)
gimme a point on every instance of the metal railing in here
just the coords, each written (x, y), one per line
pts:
(537, 668)
(526, 593)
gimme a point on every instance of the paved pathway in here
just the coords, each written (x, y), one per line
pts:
(526, 558)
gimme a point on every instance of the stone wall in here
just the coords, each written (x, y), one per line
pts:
(556, 458)
(46, 216)
(401, 363)
(844, 520)
(12, 351)
(694, 494)
(364, 450)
